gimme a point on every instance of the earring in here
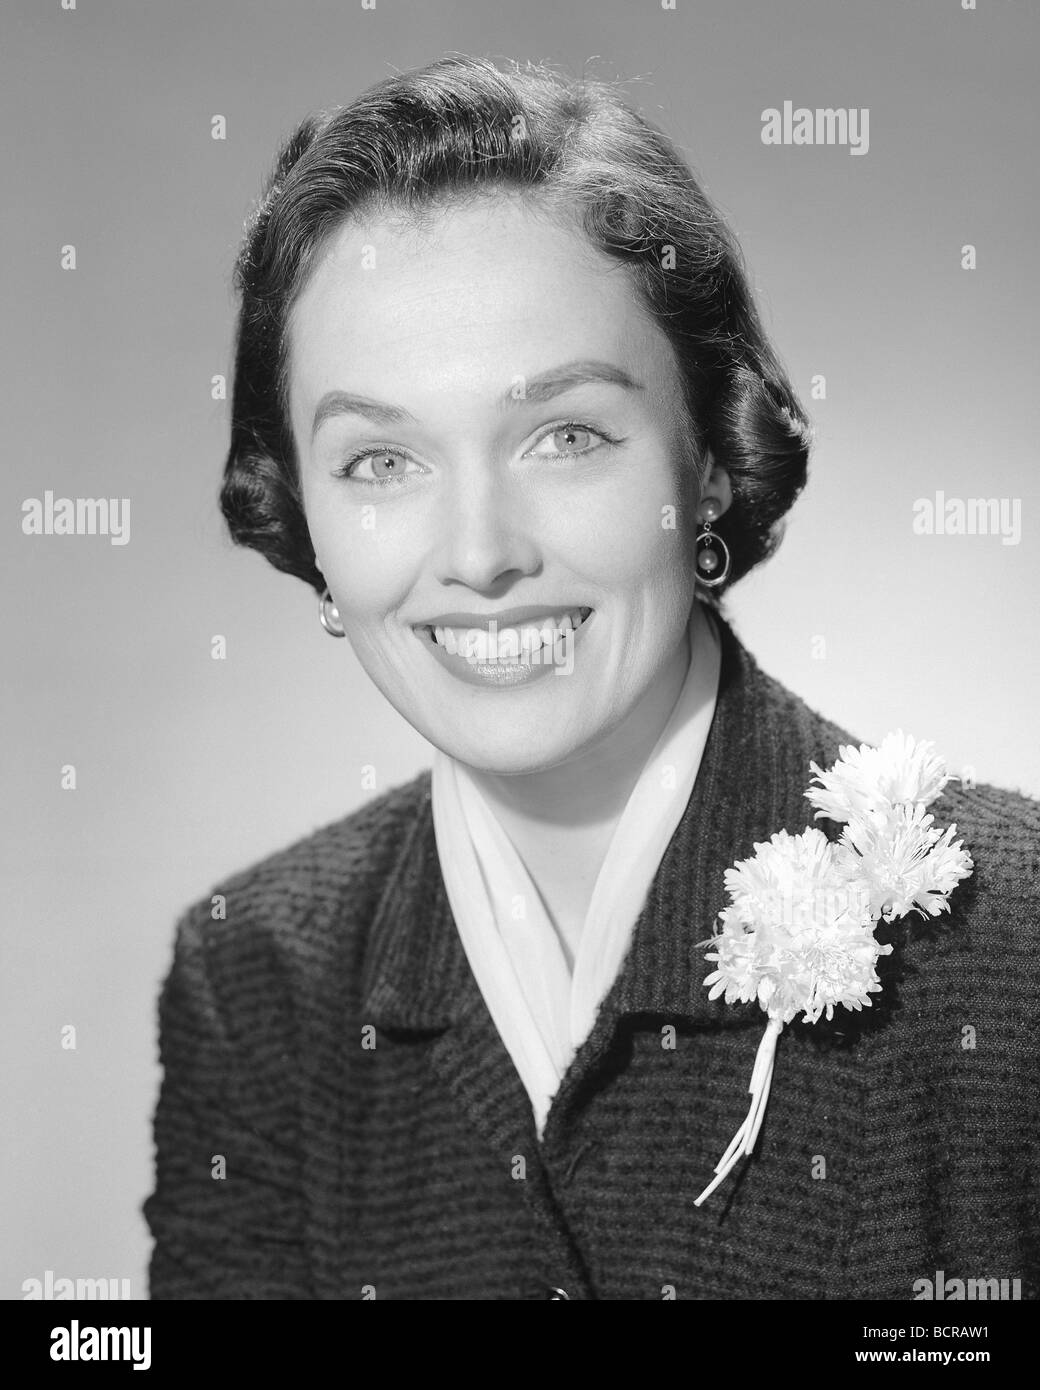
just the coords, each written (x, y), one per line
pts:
(329, 615)
(708, 545)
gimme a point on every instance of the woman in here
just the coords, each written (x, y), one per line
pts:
(503, 399)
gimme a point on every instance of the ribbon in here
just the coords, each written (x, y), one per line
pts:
(744, 1140)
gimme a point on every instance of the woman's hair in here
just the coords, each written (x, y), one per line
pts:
(455, 129)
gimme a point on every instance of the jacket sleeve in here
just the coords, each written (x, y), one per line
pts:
(226, 1212)
(951, 1117)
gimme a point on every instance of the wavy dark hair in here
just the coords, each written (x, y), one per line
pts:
(451, 130)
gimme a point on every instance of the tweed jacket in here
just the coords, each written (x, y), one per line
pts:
(339, 1119)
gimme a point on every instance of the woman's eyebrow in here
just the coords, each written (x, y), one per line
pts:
(559, 379)
(347, 403)
(542, 387)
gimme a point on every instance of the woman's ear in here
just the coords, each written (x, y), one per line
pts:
(716, 487)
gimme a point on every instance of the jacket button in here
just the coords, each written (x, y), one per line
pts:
(557, 1294)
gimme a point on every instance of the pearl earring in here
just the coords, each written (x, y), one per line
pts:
(329, 616)
(709, 545)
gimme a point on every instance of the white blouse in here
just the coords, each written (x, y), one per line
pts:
(542, 1011)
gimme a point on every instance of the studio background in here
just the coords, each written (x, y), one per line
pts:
(188, 768)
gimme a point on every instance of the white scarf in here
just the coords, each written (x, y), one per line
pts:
(542, 1013)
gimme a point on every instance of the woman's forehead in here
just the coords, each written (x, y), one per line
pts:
(505, 241)
(475, 279)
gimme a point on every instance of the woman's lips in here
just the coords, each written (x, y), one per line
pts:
(508, 642)
(507, 656)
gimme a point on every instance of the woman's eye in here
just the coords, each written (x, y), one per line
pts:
(390, 466)
(569, 439)
(377, 466)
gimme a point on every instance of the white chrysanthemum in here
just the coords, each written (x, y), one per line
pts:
(865, 780)
(798, 935)
(908, 864)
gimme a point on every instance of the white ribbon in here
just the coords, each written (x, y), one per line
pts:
(744, 1140)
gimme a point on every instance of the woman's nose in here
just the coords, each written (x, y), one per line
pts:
(485, 529)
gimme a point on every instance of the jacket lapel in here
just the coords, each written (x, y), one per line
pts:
(417, 978)
(750, 784)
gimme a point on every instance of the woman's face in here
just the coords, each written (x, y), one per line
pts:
(489, 433)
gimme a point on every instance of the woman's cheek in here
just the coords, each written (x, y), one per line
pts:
(640, 539)
(370, 558)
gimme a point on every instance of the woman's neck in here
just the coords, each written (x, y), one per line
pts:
(561, 819)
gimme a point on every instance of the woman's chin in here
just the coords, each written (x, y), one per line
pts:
(502, 752)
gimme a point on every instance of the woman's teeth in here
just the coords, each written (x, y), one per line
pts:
(522, 642)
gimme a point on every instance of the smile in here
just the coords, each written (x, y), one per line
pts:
(528, 648)
(521, 642)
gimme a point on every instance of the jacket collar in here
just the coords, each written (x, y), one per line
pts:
(750, 784)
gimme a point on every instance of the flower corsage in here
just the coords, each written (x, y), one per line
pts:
(798, 934)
